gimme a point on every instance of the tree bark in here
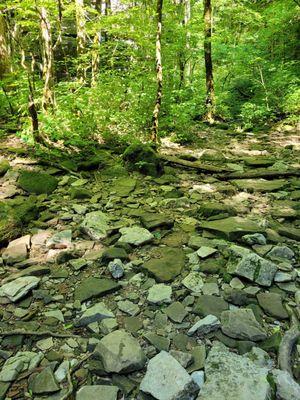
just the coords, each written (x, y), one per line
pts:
(48, 100)
(159, 74)
(5, 62)
(81, 39)
(96, 46)
(187, 18)
(210, 91)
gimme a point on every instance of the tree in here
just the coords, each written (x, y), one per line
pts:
(210, 91)
(5, 63)
(81, 39)
(159, 73)
(48, 100)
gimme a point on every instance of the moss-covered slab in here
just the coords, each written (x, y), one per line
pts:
(143, 158)
(260, 185)
(94, 287)
(232, 228)
(166, 265)
(4, 167)
(37, 182)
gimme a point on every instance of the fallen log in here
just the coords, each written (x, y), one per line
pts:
(38, 333)
(194, 164)
(259, 174)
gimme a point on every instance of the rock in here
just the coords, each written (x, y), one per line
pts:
(281, 253)
(260, 185)
(120, 353)
(45, 344)
(213, 210)
(206, 325)
(37, 182)
(99, 392)
(255, 238)
(289, 232)
(159, 294)
(135, 235)
(123, 186)
(19, 288)
(114, 253)
(210, 288)
(184, 359)
(79, 194)
(60, 240)
(241, 324)
(15, 253)
(153, 220)
(116, 268)
(205, 251)
(271, 303)
(198, 378)
(230, 376)
(97, 312)
(207, 305)
(167, 265)
(166, 379)
(232, 228)
(4, 167)
(44, 382)
(142, 158)
(129, 307)
(22, 361)
(286, 387)
(159, 342)
(95, 225)
(251, 266)
(193, 281)
(94, 287)
(176, 312)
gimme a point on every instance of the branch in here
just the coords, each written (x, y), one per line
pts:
(37, 333)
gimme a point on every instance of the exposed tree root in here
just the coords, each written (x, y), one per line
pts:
(286, 349)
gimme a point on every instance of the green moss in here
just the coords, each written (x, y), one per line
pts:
(4, 167)
(37, 182)
(142, 158)
(80, 193)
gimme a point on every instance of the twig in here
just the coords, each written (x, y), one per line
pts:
(37, 333)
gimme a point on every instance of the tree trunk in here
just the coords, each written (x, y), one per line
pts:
(187, 18)
(96, 47)
(159, 74)
(5, 64)
(48, 100)
(81, 38)
(210, 92)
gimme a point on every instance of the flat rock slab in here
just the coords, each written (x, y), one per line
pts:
(166, 265)
(232, 228)
(123, 186)
(120, 352)
(166, 379)
(94, 287)
(159, 294)
(271, 303)
(97, 312)
(210, 305)
(242, 324)
(153, 220)
(230, 376)
(99, 392)
(135, 236)
(19, 288)
(95, 225)
(260, 185)
(43, 382)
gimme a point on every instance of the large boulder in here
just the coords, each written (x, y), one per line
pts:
(230, 376)
(142, 158)
(120, 352)
(37, 182)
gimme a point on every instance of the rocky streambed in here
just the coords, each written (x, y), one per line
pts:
(181, 286)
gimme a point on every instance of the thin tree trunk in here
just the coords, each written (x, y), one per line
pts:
(96, 47)
(210, 91)
(81, 38)
(48, 100)
(5, 62)
(159, 74)
(187, 18)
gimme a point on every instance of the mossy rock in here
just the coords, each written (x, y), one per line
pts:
(37, 182)
(143, 158)
(80, 193)
(4, 167)
(14, 216)
(99, 160)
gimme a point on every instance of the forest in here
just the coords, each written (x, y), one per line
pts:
(149, 200)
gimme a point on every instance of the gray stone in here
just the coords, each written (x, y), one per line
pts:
(120, 352)
(281, 253)
(97, 392)
(205, 251)
(198, 378)
(159, 342)
(19, 287)
(14, 254)
(94, 287)
(206, 325)
(95, 225)
(159, 294)
(271, 303)
(166, 265)
(260, 185)
(176, 312)
(116, 268)
(241, 324)
(286, 387)
(206, 305)
(60, 240)
(166, 379)
(230, 376)
(153, 220)
(22, 361)
(97, 312)
(184, 359)
(135, 235)
(44, 382)
(255, 238)
(128, 307)
(194, 282)
(232, 228)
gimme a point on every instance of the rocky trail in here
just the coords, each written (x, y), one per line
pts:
(178, 285)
